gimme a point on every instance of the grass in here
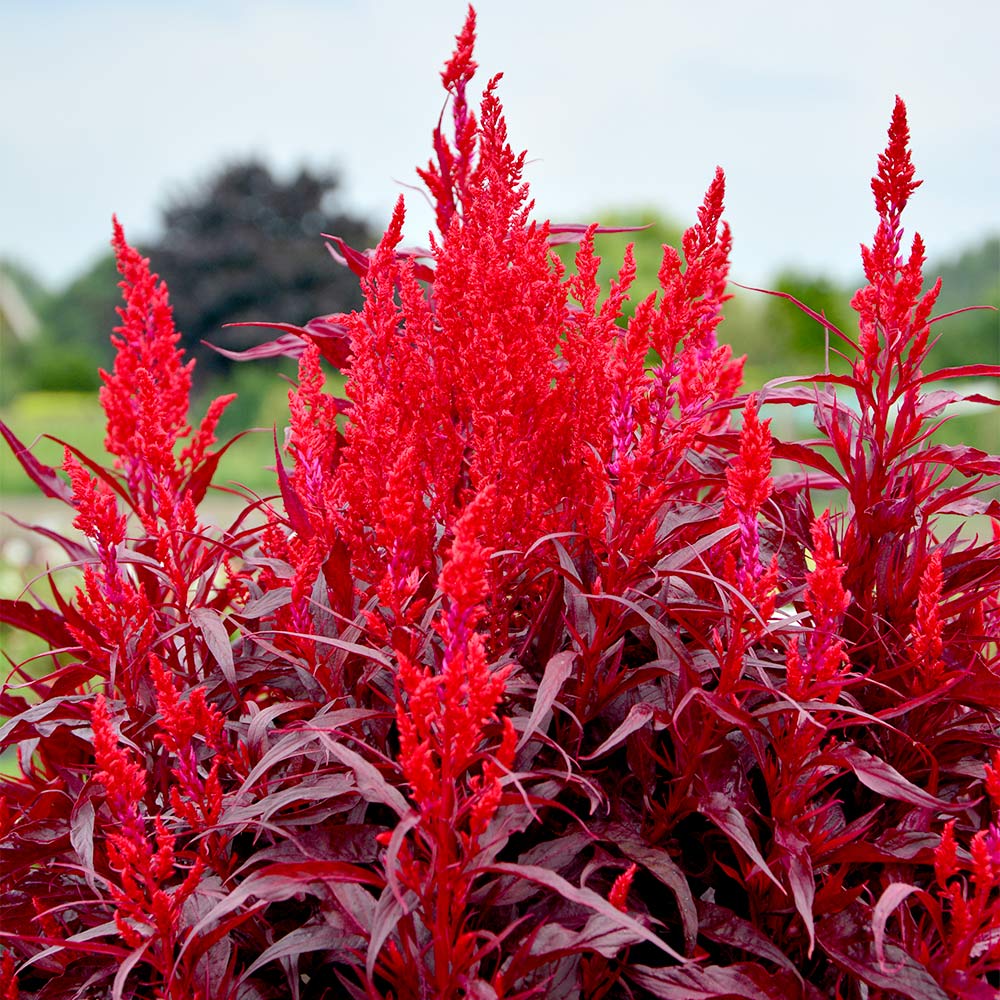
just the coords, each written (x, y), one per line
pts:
(77, 418)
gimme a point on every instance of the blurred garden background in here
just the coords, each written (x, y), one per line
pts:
(230, 136)
(246, 245)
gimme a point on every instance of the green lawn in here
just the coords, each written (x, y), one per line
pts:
(77, 418)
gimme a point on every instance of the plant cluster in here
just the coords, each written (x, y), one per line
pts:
(537, 676)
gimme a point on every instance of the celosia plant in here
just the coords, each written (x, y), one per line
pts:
(533, 678)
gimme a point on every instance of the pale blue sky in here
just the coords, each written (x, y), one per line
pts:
(109, 106)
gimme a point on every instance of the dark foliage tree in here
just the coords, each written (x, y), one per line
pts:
(246, 245)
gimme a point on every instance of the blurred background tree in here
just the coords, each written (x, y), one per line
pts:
(71, 349)
(970, 279)
(791, 339)
(243, 245)
(22, 297)
(246, 245)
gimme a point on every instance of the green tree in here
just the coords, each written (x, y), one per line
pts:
(76, 324)
(970, 279)
(18, 281)
(28, 283)
(789, 338)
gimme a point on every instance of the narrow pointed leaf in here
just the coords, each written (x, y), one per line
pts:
(43, 622)
(731, 822)
(584, 897)
(638, 716)
(210, 624)
(557, 671)
(883, 778)
(43, 476)
(893, 895)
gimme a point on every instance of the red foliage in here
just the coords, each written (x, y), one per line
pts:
(533, 678)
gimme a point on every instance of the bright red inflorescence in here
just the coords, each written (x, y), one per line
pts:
(147, 395)
(819, 672)
(447, 180)
(8, 978)
(748, 487)
(442, 719)
(147, 909)
(926, 640)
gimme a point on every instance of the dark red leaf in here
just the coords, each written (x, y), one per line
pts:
(822, 320)
(216, 637)
(68, 944)
(962, 371)
(44, 623)
(359, 262)
(969, 461)
(77, 552)
(802, 454)
(346, 255)
(572, 232)
(291, 345)
(81, 835)
(638, 716)
(883, 778)
(267, 604)
(662, 867)
(893, 895)
(299, 942)
(104, 474)
(388, 912)
(43, 476)
(125, 968)
(712, 982)
(557, 671)
(720, 924)
(584, 897)
(599, 935)
(201, 476)
(279, 882)
(330, 334)
(795, 858)
(847, 939)
(721, 811)
(370, 781)
(958, 312)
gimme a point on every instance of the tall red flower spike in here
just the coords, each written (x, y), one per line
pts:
(8, 977)
(748, 486)
(819, 671)
(441, 721)
(147, 907)
(147, 395)
(926, 643)
(442, 715)
(891, 312)
(447, 179)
